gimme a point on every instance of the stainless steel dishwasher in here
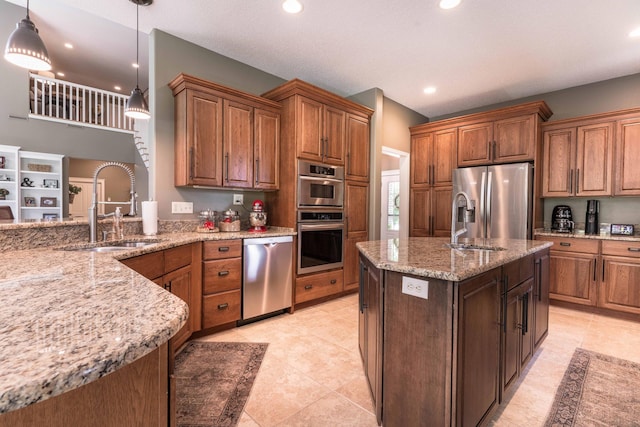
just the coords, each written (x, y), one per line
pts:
(267, 280)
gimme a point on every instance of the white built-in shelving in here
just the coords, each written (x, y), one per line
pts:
(9, 178)
(41, 195)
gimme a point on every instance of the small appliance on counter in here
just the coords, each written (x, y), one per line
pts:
(257, 218)
(591, 224)
(562, 219)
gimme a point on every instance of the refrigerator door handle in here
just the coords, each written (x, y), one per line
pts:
(482, 204)
(488, 205)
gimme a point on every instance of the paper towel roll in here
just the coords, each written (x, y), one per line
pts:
(150, 218)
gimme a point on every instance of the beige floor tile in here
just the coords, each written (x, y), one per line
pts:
(330, 411)
(357, 391)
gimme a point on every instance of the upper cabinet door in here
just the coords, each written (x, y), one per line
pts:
(203, 140)
(266, 149)
(357, 157)
(558, 160)
(238, 145)
(335, 135)
(473, 144)
(594, 160)
(444, 157)
(310, 133)
(514, 140)
(627, 177)
(421, 160)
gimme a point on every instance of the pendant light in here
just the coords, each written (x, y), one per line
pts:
(137, 107)
(25, 47)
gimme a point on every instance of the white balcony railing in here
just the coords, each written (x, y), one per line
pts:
(62, 101)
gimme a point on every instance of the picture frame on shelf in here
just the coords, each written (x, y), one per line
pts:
(30, 202)
(48, 202)
(2, 162)
(49, 217)
(50, 183)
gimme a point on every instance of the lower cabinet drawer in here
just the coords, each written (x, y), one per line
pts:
(221, 275)
(318, 285)
(570, 244)
(221, 308)
(621, 248)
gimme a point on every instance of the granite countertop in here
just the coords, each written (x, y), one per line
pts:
(430, 257)
(580, 235)
(71, 317)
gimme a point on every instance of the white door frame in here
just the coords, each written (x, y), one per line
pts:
(404, 190)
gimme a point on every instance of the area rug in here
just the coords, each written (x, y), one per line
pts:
(597, 390)
(213, 381)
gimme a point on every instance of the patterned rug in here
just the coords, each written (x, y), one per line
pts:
(597, 390)
(213, 381)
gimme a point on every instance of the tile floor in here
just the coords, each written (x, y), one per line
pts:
(312, 375)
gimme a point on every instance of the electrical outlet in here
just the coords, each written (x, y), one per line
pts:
(415, 287)
(238, 199)
(181, 207)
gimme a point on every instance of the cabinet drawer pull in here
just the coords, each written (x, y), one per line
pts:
(577, 181)
(333, 281)
(307, 287)
(226, 162)
(257, 171)
(223, 273)
(167, 286)
(223, 249)
(223, 306)
(565, 244)
(633, 249)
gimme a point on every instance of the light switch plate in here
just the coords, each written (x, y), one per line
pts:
(181, 207)
(415, 287)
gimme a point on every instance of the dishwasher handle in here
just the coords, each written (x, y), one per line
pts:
(267, 240)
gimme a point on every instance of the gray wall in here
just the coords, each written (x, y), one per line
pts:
(170, 56)
(51, 137)
(609, 95)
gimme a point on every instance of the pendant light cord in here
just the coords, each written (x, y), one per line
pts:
(137, 43)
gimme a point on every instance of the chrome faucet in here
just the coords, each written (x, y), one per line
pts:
(463, 209)
(93, 209)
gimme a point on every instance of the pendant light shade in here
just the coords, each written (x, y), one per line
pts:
(25, 48)
(137, 107)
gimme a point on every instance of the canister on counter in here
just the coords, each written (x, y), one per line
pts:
(208, 219)
(230, 221)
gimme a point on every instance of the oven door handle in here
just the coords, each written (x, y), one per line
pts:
(329, 225)
(317, 178)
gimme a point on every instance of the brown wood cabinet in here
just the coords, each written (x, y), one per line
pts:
(370, 330)
(318, 285)
(356, 224)
(224, 137)
(433, 159)
(620, 286)
(221, 282)
(578, 159)
(627, 174)
(357, 151)
(177, 270)
(541, 296)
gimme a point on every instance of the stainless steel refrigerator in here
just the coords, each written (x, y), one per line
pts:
(502, 195)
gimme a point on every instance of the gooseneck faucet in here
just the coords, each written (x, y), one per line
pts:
(463, 209)
(93, 209)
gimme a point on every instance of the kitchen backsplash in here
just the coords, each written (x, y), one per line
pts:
(618, 210)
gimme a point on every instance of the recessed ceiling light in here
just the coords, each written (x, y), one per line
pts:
(60, 73)
(635, 33)
(430, 90)
(449, 4)
(134, 65)
(292, 6)
(68, 45)
(117, 88)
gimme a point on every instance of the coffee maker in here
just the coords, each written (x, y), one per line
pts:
(562, 219)
(591, 224)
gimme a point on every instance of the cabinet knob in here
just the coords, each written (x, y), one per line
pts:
(333, 281)
(223, 306)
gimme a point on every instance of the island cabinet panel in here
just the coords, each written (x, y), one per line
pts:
(417, 358)
(478, 353)
(134, 395)
(370, 330)
(541, 296)
(221, 282)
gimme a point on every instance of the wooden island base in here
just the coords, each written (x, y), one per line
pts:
(135, 395)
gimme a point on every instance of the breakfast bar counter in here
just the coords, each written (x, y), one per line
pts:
(70, 316)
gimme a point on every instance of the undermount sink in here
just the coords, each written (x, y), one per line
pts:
(113, 246)
(472, 247)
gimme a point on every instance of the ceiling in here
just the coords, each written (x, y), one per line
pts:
(480, 53)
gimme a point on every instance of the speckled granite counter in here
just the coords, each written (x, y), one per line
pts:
(71, 317)
(430, 257)
(580, 235)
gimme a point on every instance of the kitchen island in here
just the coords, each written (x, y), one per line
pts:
(84, 337)
(445, 333)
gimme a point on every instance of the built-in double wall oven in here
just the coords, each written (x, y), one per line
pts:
(320, 217)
